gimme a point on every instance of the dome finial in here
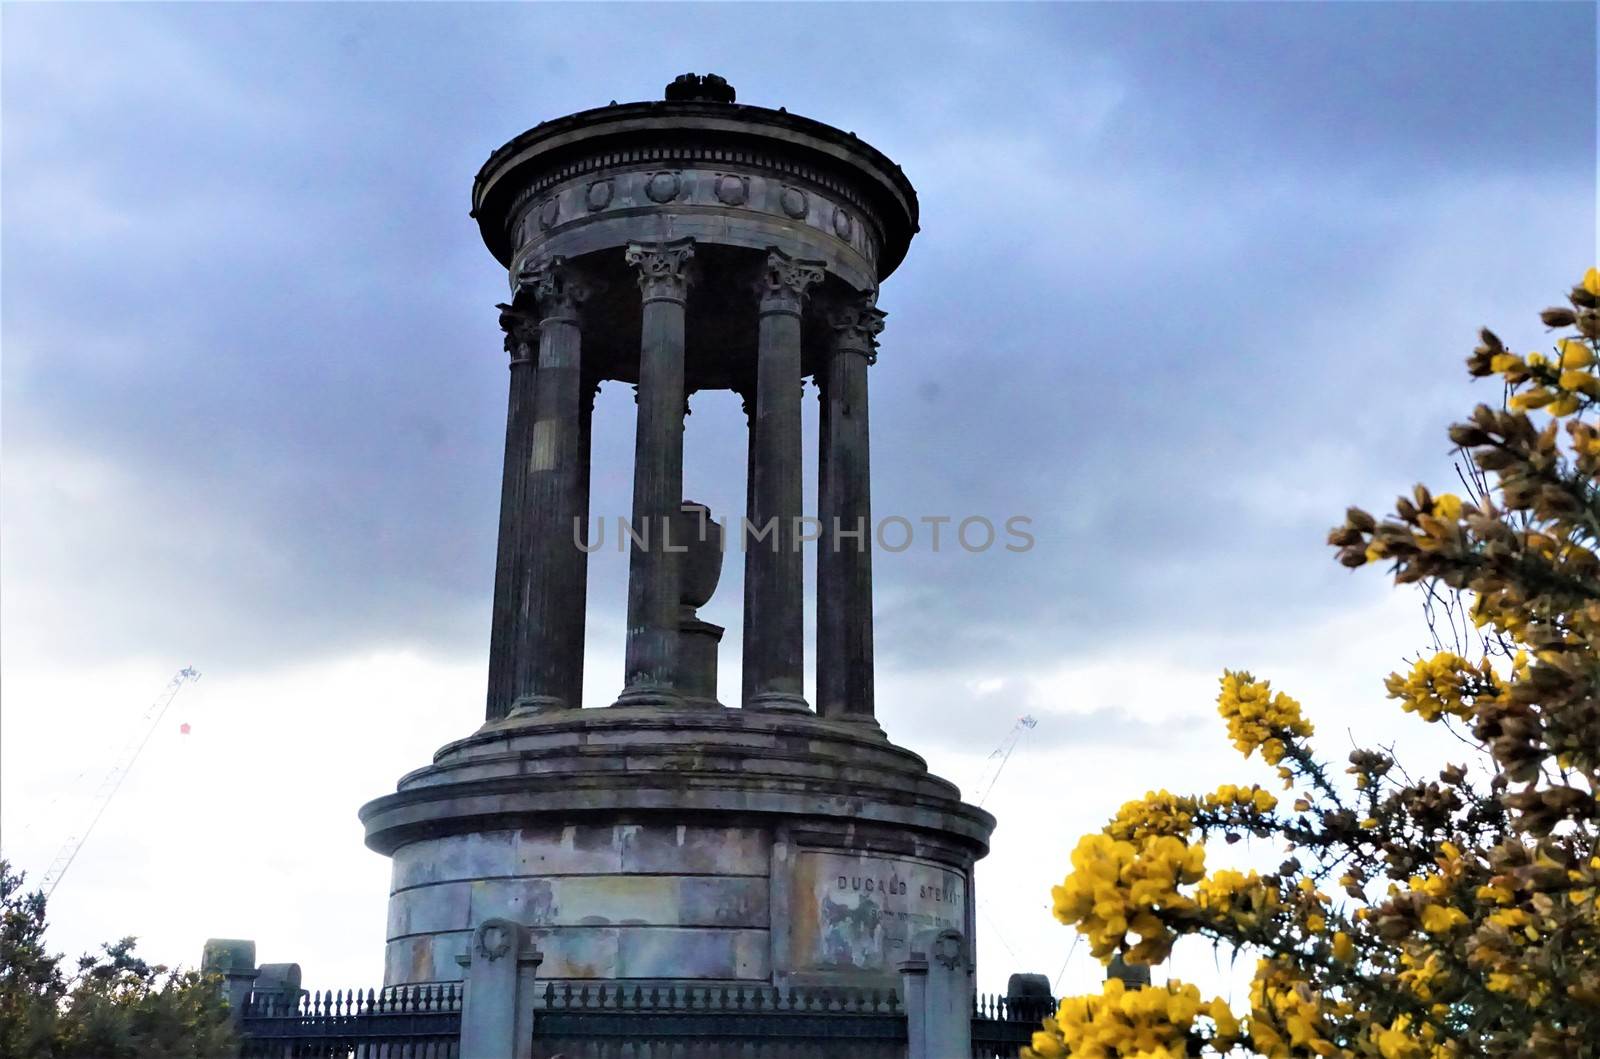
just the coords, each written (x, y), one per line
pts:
(711, 88)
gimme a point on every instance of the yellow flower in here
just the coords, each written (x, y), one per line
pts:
(1438, 919)
(1564, 405)
(1257, 718)
(1591, 281)
(1344, 950)
(1447, 506)
(1575, 353)
(1528, 400)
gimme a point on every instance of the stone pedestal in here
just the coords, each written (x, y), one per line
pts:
(689, 846)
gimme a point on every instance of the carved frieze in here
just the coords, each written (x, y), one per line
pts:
(663, 187)
(732, 190)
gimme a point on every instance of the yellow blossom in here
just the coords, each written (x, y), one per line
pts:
(1257, 718)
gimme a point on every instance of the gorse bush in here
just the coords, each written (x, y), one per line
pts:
(1442, 917)
(116, 1006)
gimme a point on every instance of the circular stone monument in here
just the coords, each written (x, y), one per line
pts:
(690, 243)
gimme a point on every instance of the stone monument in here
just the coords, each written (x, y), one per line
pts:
(667, 837)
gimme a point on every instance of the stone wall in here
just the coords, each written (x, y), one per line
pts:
(602, 902)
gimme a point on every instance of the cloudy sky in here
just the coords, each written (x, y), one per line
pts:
(1191, 278)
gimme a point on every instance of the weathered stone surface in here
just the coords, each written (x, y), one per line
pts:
(687, 848)
(716, 954)
(860, 911)
(573, 848)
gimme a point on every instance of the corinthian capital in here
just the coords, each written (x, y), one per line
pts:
(522, 333)
(784, 281)
(856, 323)
(664, 270)
(555, 287)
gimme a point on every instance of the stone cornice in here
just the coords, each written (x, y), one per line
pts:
(719, 763)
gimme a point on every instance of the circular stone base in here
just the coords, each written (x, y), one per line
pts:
(699, 845)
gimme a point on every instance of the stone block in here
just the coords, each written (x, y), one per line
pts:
(615, 900)
(696, 850)
(726, 902)
(575, 849)
(655, 952)
(414, 865)
(478, 855)
(431, 909)
(530, 902)
(577, 952)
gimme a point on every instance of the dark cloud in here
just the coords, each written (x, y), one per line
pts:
(1187, 278)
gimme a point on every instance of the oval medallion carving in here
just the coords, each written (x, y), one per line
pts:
(548, 213)
(841, 223)
(793, 201)
(599, 196)
(662, 187)
(731, 190)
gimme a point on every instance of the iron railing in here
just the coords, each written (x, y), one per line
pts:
(1001, 1025)
(421, 1022)
(762, 1019)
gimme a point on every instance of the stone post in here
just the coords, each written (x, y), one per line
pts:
(939, 1002)
(844, 503)
(548, 672)
(774, 587)
(914, 987)
(497, 1008)
(1133, 975)
(652, 649)
(234, 961)
(522, 342)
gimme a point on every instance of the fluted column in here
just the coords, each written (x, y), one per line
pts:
(652, 649)
(844, 507)
(550, 634)
(774, 586)
(522, 343)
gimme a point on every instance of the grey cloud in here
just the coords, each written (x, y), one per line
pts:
(240, 277)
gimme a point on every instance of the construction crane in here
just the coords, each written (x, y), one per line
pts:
(112, 781)
(997, 760)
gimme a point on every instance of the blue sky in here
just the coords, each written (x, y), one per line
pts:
(1191, 278)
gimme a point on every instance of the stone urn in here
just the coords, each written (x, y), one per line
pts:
(700, 568)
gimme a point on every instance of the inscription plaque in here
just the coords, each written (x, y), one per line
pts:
(856, 912)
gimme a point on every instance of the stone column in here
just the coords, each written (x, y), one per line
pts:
(652, 649)
(774, 586)
(844, 507)
(522, 342)
(549, 671)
